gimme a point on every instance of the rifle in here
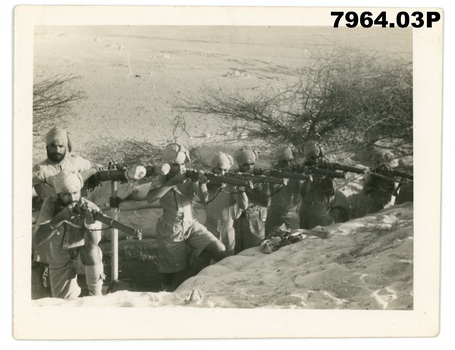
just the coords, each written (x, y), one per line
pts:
(344, 168)
(217, 179)
(258, 176)
(123, 174)
(234, 178)
(288, 174)
(310, 169)
(390, 174)
(402, 175)
(80, 209)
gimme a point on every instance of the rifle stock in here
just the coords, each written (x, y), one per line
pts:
(81, 208)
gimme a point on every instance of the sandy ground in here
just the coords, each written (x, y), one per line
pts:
(365, 264)
(133, 76)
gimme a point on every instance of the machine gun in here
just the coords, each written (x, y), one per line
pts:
(80, 209)
(120, 173)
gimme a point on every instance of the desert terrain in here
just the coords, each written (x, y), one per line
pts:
(133, 77)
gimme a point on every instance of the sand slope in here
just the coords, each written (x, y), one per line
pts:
(365, 263)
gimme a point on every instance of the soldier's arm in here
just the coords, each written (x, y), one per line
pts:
(155, 193)
(48, 223)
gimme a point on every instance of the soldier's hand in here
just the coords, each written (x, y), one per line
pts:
(89, 216)
(66, 214)
(202, 179)
(176, 179)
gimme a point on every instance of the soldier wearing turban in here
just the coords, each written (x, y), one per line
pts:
(178, 226)
(222, 203)
(284, 206)
(320, 204)
(379, 189)
(59, 158)
(250, 225)
(176, 153)
(73, 238)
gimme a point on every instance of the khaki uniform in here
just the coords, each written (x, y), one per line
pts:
(65, 250)
(44, 174)
(250, 226)
(221, 212)
(178, 227)
(284, 207)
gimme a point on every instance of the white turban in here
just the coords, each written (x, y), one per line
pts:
(175, 153)
(60, 135)
(311, 149)
(68, 182)
(246, 156)
(284, 153)
(221, 160)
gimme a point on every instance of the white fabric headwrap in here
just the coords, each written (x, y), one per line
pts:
(221, 160)
(246, 156)
(59, 134)
(284, 153)
(311, 149)
(68, 182)
(176, 153)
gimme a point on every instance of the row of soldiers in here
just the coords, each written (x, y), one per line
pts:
(238, 217)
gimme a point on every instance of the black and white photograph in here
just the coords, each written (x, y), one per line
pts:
(224, 165)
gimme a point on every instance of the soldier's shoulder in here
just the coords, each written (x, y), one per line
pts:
(40, 168)
(39, 165)
(73, 156)
(36, 167)
(50, 201)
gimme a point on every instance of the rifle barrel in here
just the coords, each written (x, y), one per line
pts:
(111, 175)
(226, 179)
(347, 168)
(288, 175)
(391, 176)
(402, 175)
(122, 174)
(194, 174)
(118, 225)
(256, 178)
(329, 173)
